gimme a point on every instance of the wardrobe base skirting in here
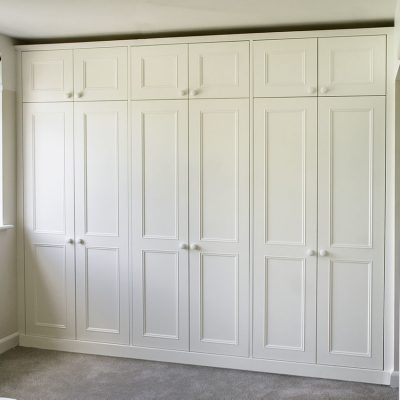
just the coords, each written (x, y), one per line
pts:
(9, 342)
(212, 360)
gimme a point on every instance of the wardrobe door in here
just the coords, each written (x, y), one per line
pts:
(160, 72)
(47, 75)
(285, 229)
(101, 74)
(351, 215)
(219, 70)
(219, 226)
(284, 68)
(160, 224)
(101, 215)
(49, 219)
(352, 66)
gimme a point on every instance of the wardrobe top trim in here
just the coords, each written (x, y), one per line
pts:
(209, 38)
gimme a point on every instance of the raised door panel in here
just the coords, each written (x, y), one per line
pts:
(285, 223)
(101, 74)
(284, 68)
(219, 70)
(47, 76)
(351, 215)
(352, 66)
(159, 72)
(219, 226)
(101, 215)
(160, 224)
(49, 219)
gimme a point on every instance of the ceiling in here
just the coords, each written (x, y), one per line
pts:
(52, 19)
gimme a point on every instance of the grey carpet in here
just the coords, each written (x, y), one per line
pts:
(32, 374)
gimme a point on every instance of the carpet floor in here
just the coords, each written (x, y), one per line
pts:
(33, 374)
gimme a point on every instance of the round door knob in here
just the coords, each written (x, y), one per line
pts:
(183, 92)
(183, 246)
(79, 95)
(323, 253)
(69, 94)
(194, 246)
(193, 92)
(324, 89)
(310, 252)
(70, 241)
(81, 241)
(311, 90)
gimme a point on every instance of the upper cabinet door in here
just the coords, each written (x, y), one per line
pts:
(219, 70)
(352, 66)
(47, 76)
(101, 74)
(159, 72)
(284, 68)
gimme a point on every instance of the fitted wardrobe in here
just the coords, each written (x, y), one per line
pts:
(210, 200)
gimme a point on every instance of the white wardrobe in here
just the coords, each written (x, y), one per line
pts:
(209, 201)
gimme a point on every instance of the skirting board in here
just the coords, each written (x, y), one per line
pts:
(210, 360)
(9, 342)
(394, 379)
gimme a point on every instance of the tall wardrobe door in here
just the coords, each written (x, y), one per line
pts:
(351, 213)
(219, 226)
(101, 212)
(160, 224)
(49, 219)
(285, 229)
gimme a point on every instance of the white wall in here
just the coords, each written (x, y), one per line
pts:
(396, 73)
(8, 270)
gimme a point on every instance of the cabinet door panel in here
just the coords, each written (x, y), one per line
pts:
(285, 203)
(49, 220)
(352, 66)
(351, 229)
(101, 74)
(219, 226)
(160, 224)
(160, 72)
(219, 70)
(101, 212)
(102, 274)
(284, 68)
(47, 76)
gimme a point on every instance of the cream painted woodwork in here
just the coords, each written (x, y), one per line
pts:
(284, 68)
(101, 74)
(213, 200)
(160, 224)
(351, 215)
(219, 226)
(285, 229)
(219, 70)
(160, 72)
(101, 221)
(47, 76)
(352, 66)
(49, 219)
(90, 74)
